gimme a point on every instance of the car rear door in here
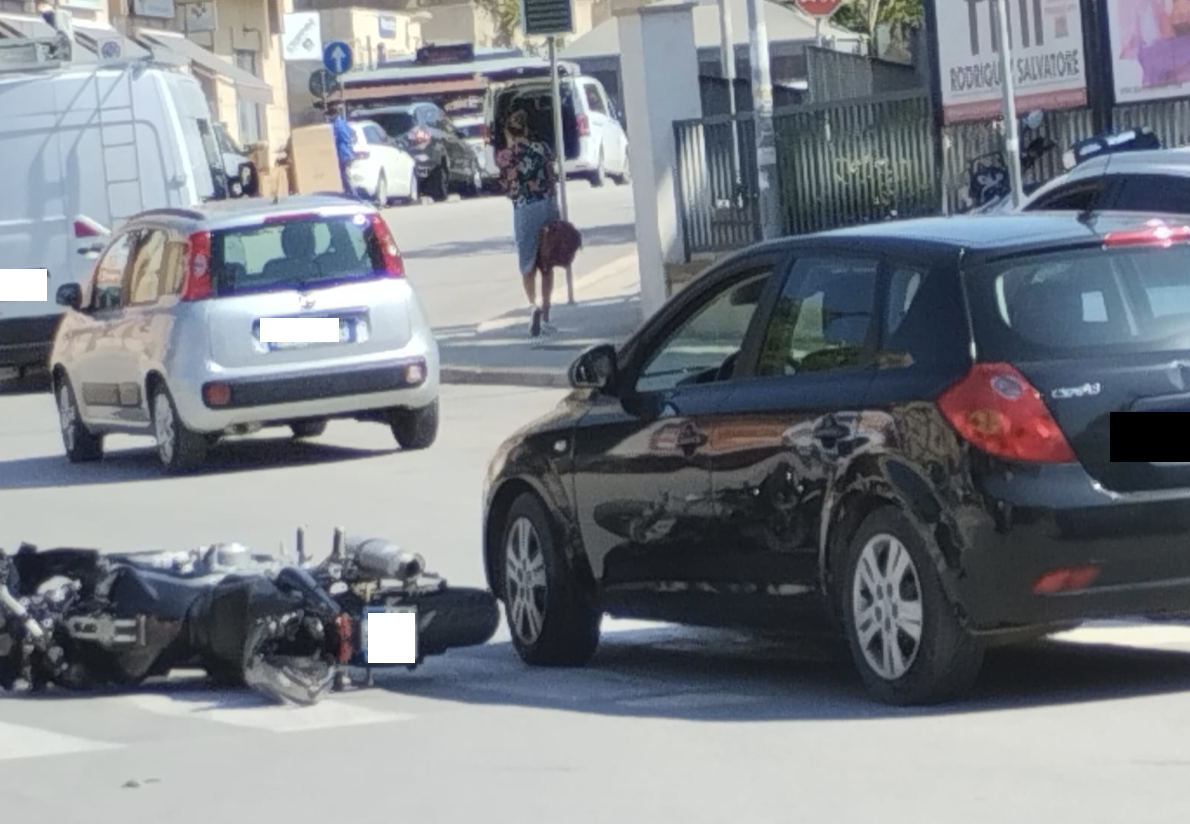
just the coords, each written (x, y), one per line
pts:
(1098, 331)
(324, 265)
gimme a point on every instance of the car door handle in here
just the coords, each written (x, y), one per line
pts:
(691, 437)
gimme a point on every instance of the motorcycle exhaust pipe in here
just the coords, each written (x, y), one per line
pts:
(18, 609)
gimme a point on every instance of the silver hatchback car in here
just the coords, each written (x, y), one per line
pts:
(192, 329)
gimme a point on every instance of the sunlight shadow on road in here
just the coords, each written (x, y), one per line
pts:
(121, 466)
(687, 674)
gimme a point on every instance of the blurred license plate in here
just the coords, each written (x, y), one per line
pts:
(363, 626)
(346, 335)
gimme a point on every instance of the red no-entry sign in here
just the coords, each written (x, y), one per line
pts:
(818, 8)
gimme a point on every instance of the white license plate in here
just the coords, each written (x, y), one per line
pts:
(345, 336)
(363, 627)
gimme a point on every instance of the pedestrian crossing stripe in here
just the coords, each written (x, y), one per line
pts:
(256, 712)
(17, 741)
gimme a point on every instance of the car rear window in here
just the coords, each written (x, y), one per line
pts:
(396, 124)
(1081, 303)
(297, 253)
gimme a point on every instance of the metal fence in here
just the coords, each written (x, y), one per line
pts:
(716, 177)
(841, 164)
(1169, 119)
(963, 143)
(857, 161)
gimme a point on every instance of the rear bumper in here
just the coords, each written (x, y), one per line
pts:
(1029, 526)
(27, 341)
(350, 388)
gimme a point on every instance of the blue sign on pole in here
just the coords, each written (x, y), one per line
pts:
(336, 56)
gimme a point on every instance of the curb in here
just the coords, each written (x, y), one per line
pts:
(503, 376)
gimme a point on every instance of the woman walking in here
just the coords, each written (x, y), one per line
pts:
(528, 177)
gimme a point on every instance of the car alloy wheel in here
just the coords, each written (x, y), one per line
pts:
(525, 580)
(80, 444)
(887, 606)
(67, 417)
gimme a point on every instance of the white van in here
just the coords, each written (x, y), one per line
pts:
(82, 148)
(593, 134)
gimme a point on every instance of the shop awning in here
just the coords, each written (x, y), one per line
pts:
(385, 91)
(248, 86)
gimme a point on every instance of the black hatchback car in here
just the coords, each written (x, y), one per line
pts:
(903, 429)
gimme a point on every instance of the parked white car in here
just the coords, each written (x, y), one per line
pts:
(382, 171)
(593, 134)
(1154, 180)
(197, 324)
(475, 134)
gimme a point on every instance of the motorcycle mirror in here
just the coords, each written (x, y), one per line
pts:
(1034, 119)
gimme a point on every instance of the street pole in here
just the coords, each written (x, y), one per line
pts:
(727, 58)
(762, 109)
(1012, 139)
(560, 153)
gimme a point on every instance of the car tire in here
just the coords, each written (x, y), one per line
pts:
(416, 428)
(414, 193)
(625, 177)
(381, 191)
(552, 617)
(475, 185)
(82, 446)
(178, 447)
(599, 176)
(889, 584)
(437, 184)
(308, 429)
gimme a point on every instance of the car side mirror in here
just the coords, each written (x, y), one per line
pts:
(594, 368)
(70, 295)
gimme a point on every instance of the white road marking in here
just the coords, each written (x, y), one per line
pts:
(248, 710)
(29, 742)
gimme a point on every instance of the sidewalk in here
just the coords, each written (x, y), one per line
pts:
(500, 351)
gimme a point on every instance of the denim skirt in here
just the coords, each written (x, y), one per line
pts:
(527, 220)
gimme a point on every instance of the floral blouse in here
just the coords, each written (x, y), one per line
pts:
(527, 172)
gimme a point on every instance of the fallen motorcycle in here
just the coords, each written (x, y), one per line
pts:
(79, 619)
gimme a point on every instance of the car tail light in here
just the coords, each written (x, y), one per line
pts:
(343, 630)
(995, 408)
(584, 125)
(196, 280)
(419, 137)
(388, 247)
(1154, 234)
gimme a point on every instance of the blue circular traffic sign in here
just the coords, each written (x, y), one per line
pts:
(336, 56)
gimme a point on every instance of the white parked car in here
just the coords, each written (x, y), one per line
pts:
(1153, 180)
(593, 134)
(186, 331)
(475, 134)
(382, 171)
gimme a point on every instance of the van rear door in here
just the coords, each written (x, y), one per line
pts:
(35, 211)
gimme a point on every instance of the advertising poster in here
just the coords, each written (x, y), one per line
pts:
(1048, 58)
(1150, 49)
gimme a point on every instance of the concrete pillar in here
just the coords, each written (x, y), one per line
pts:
(660, 82)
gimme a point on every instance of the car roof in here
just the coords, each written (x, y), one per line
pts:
(223, 214)
(1146, 161)
(980, 235)
(403, 108)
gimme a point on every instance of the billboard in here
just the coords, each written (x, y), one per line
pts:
(1150, 49)
(1048, 58)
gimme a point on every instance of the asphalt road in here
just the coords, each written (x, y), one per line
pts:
(666, 725)
(461, 255)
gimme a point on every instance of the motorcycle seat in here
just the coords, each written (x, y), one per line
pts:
(146, 592)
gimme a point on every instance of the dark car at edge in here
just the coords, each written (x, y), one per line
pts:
(444, 160)
(897, 432)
